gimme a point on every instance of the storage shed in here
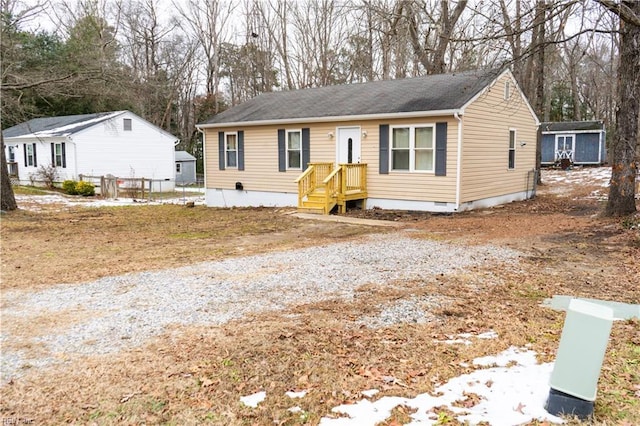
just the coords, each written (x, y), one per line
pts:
(580, 142)
(185, 168)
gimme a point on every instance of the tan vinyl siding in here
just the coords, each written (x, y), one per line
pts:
(485, 154)
(261, 161)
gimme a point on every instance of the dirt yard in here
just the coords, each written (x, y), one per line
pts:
(197, 374)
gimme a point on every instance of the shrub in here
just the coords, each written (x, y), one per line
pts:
(85, 189)
(72, 187)
(48, 175)
(69, 186)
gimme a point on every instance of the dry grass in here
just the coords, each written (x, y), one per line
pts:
(196, 375)
(80, 244)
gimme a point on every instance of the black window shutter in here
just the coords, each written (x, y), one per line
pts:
(64, 155)
(240, 149)
(25, 155)
(35, 158)
(282, 154)
(53, 154)
(306, 148)
(441, 149)
(221, 150)
(384, 149)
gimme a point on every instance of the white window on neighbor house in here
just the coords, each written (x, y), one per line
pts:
(12, 154)
(294, 149)
(58, 157)
(512, 149)
(413, 148)
(31, 155)
(231, 150)
(178, 168)
(507, 90)
(127, 125)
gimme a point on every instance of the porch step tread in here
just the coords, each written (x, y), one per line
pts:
(313, 210)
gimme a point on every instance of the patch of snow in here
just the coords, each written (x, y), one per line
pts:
(464, 338)
(488, 335)
(507, 396)
(456, 342)
(504, 358)
(34, 203)
(370, 392)
(295, 409)
(68, 129)
(300, 394)
(587, 175)
(254, 399)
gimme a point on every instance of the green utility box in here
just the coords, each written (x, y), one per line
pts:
(583, 344)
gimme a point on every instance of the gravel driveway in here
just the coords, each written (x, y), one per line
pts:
(120, 312)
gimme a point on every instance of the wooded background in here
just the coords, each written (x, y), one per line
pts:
(177, 63)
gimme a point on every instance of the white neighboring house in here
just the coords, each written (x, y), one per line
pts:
(118, 143)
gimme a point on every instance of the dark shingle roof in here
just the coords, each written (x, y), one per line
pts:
(57, 126)
(430, 93)
(567, 126)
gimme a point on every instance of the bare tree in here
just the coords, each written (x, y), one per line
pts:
(207, 21)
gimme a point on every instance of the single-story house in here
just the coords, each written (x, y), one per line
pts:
(117, 143)
(441, 143)
(580, 142)
(185, 168)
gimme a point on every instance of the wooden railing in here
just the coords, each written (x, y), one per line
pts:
(332, 185)
(312, 178)
(345, 182)
(354, 177)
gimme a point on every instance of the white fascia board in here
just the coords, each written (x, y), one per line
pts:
(490, 85)
(571, 132)
(30, 138)
(341, 118)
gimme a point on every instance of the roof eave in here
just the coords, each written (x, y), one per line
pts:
(361, 117)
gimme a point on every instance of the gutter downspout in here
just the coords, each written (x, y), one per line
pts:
(75, 174)
(458, 162)
(204, 161)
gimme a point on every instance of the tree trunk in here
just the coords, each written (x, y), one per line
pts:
(623, 146)
(541, 8)
(8, 199)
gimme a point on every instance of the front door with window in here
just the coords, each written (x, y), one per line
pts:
(348, 145)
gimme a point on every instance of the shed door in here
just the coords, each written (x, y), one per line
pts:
(348, 145)
(565, 147)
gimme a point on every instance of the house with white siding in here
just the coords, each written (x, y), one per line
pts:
(117, 143)
(441, 143)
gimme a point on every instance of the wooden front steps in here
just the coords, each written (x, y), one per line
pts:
(322, 187)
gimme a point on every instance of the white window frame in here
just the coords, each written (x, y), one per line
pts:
(227, 150)
(30, 154)
(11, 156)
(286, 147)
(178, 168)
(124, 124)
(57, 145)
(412, 148)
(512, 148)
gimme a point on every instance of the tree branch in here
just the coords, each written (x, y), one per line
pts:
(5, 87)
(622, 10)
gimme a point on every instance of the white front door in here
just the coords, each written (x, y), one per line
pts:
(348, 145)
